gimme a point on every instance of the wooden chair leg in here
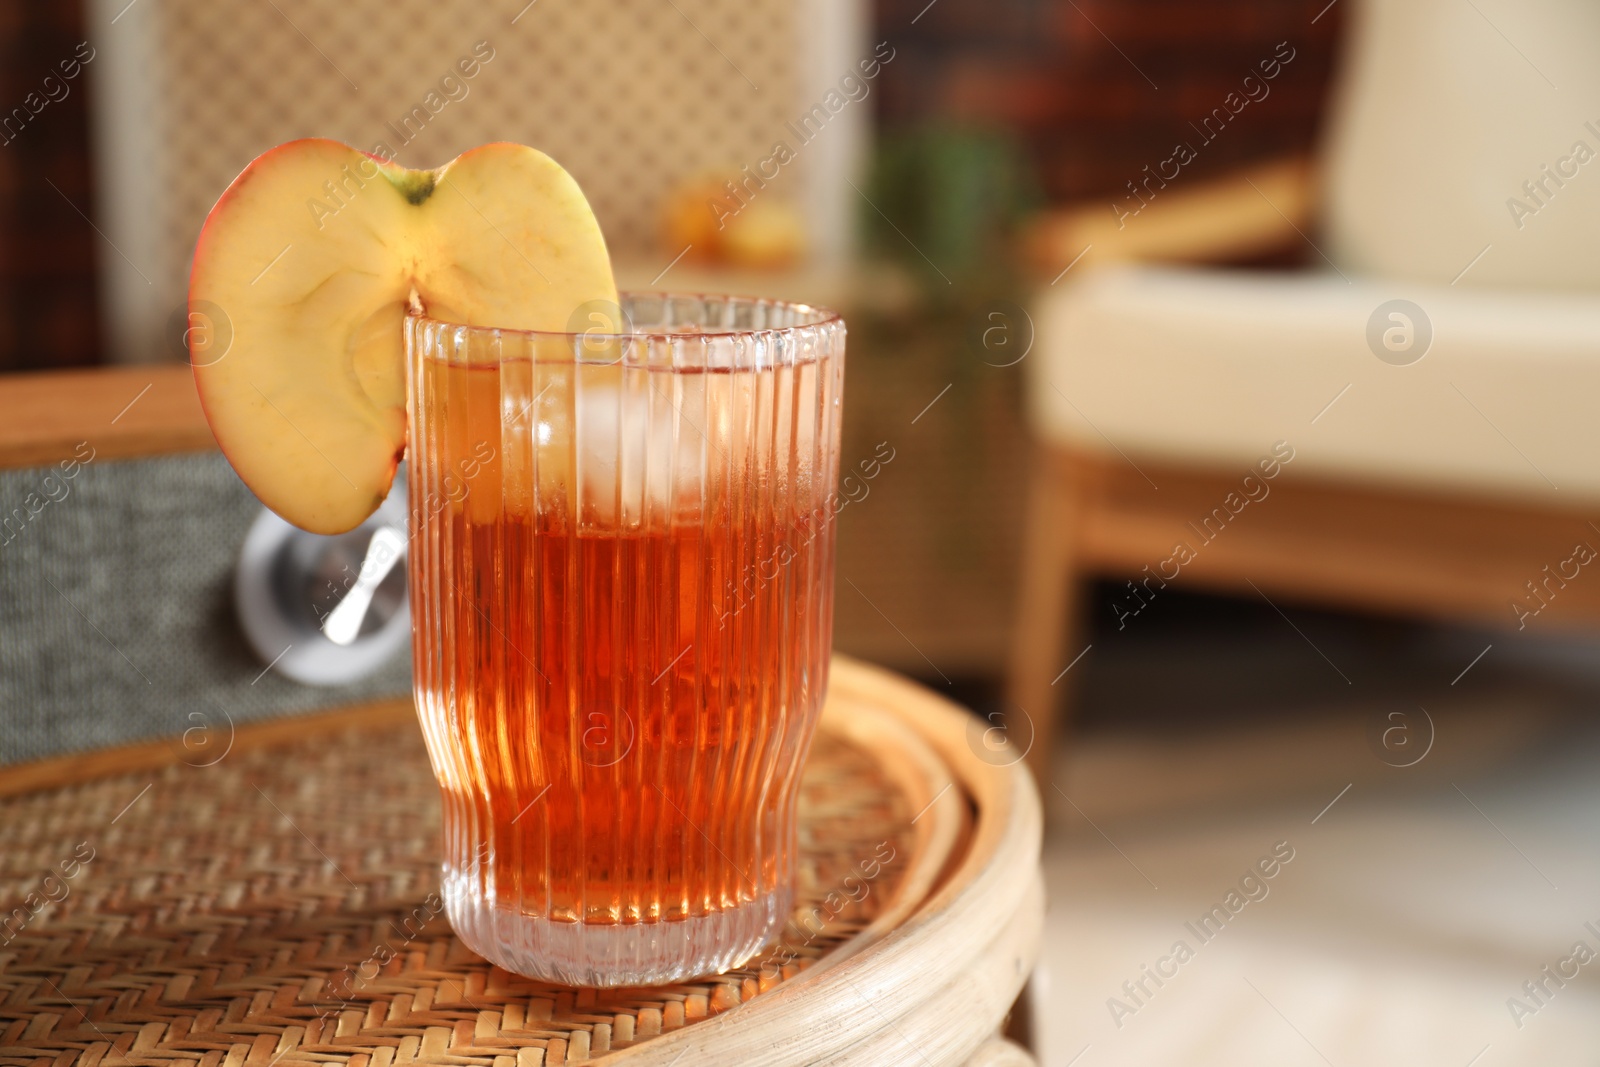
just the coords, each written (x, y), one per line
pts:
(1047, 609)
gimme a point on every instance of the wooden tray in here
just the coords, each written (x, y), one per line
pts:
(264, 896)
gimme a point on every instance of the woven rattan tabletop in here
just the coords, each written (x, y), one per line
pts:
(272, 899)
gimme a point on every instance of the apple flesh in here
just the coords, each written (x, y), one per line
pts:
(317, 252)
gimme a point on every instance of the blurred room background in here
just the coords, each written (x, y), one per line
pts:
(911, 211)
(935, 170)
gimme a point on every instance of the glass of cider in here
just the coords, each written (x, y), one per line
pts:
(621, 568)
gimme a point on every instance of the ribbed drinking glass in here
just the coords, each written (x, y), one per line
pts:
(622, 593)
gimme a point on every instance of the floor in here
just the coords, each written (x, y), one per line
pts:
(1429, 846)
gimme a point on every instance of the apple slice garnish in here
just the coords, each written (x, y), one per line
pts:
(311, 260)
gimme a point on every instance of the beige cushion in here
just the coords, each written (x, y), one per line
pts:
(1212, 367)
(1445, 108)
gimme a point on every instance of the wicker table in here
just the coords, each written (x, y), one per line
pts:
(267, 896)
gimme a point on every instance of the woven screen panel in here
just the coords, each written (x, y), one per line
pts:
(386, 75)
(116, 609)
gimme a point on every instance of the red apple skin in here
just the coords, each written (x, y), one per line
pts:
(310, 260)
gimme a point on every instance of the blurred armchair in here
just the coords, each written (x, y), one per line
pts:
(1406, 426)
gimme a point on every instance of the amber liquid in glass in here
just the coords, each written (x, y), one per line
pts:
(616, 708)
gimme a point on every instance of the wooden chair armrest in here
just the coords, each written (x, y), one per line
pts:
(1248, 212)
(119, 412)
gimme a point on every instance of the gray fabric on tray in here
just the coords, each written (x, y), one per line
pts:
(116, 610)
